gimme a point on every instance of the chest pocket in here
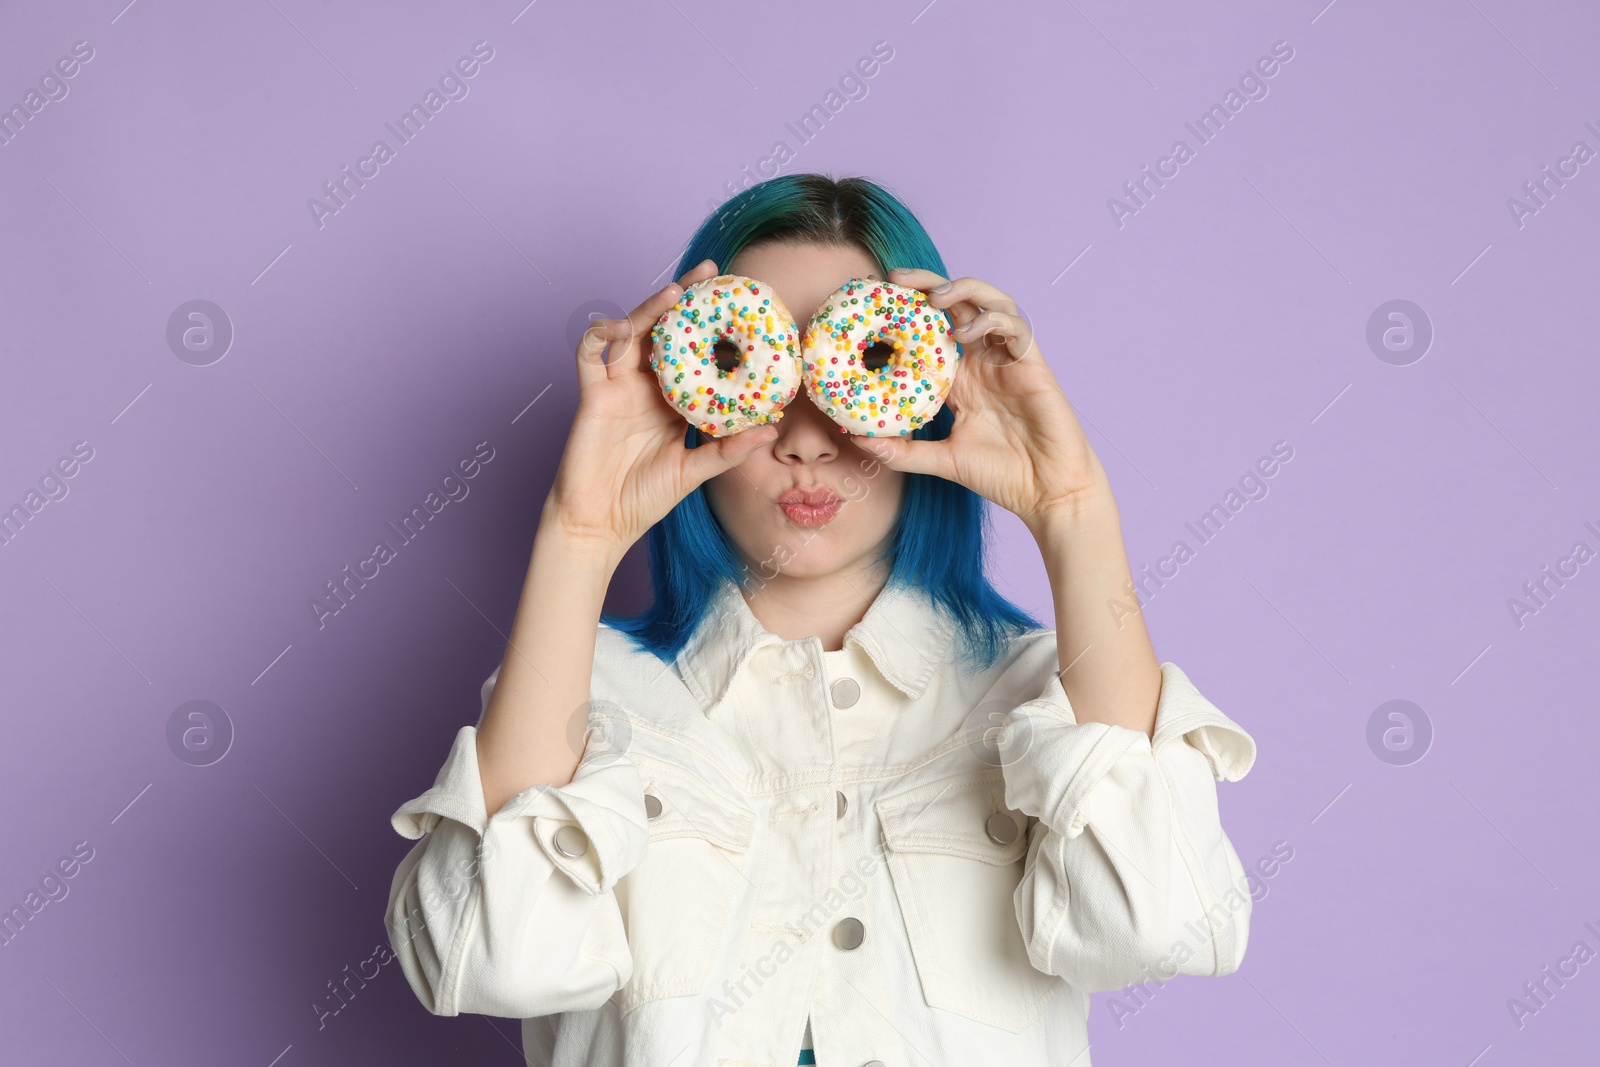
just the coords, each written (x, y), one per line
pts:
(677, 903)
(955, 854)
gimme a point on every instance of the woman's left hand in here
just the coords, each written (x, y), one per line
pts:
(1015, 439)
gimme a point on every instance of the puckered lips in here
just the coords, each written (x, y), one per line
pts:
(812, 505)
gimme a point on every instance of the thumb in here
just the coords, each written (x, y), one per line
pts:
(713, 455)
(910, 455)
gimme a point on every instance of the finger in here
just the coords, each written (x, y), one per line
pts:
(631, 356)
(592, 364)
(916, 277)
(959, 311)
(999, 329)
(978, 292)
(911, 456)
(706, 268)
(713, 455)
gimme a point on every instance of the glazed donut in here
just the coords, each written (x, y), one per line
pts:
(727, 355)
(878, 358)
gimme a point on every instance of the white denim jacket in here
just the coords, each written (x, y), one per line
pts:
(934, 867)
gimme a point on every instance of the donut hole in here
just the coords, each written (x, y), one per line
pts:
(877, 355)
(726, 354)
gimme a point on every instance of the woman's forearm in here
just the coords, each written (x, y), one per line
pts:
(1109, 669)
(533, 727)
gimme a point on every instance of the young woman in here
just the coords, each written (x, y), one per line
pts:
(831, 795)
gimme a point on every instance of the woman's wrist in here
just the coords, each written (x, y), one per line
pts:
(1090, 508)
(577, 547)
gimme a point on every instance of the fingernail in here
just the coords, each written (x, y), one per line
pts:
(940, 288)
(898, 270)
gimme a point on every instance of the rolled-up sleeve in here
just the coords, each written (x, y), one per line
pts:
(1129, 875)
(496, 915)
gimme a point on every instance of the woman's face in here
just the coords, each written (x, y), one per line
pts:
(860, 497)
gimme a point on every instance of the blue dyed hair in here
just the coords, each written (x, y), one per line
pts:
(937, 543)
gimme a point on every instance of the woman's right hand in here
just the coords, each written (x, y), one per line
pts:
(625, 464)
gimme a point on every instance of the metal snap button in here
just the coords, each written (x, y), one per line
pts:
(1002, 828)
(845, 692)
(652, 805)
(571, 841)
(848, 933)
(840, 806)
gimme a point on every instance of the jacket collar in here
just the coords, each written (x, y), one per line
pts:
(904, 632)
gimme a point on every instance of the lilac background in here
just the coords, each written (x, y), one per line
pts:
(428, 315)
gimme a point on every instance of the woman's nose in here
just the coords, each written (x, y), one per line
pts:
(805, 434)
